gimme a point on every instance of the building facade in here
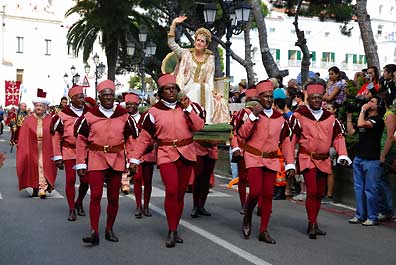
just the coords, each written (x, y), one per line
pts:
(325, 42)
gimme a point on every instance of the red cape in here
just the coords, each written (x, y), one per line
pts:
(27, 154)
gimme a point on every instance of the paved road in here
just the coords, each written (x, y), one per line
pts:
(35, 231)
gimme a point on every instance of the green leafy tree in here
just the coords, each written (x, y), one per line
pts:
(112, 20)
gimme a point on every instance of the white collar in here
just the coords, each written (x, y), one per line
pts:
(169, 104)
(316, 113)
(268, 112)
(77, 110)
(107, 112)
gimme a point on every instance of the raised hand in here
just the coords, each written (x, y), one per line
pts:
(179, 19)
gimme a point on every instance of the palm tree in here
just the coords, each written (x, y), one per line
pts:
(114, 20)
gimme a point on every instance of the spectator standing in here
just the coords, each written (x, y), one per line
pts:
(366, 165)
(387, 82)
(388, 164)
(335, 91)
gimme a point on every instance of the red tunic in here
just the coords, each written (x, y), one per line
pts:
(62, 128)
(316, 136)
(169, 124)
(28, 153)
(94, 127)
(267, 134)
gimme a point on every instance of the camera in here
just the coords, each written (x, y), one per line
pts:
(355, 103)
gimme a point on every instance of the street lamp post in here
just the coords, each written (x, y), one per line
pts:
(236, 15)
(148, 50)
(75, 77)
(99, 71)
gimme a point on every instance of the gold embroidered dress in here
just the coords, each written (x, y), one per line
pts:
(195, 78)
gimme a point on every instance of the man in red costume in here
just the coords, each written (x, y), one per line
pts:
(171, 124)
(35, 167)
(103, 133)
(144, 175)
(264, 132)
(237, 143)
(64, 148)
(316, 130)
(131, 104)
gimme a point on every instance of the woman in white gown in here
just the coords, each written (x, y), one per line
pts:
(195, 74)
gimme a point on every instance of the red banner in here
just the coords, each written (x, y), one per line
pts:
(12, 92)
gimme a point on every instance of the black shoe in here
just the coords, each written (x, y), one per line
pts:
(194, 213)
(319, 231)
(92, 239)
(171, 240)
(279, 196)
(72, 216)
(110, 236)
(139, 213)
(203, 211)
(79, 209)
(311, 231)
(146, 211)
(178, 239)
(265, 237)
(247, 225)
(35, 192)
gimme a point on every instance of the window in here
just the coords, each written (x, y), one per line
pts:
(294, 55)
(308, 32)
(350, 58)
(362, 59)
(327, 34)
(275, 54)
(47, 47)
(379, 30)
(19, 44)
(313, 56)
(380, 9)
(19, 75)
(272, 30)
(328, 57)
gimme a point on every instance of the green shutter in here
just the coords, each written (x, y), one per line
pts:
(365, 59)
(346, 58)
(332, 57)
(299, 55)
(289, 54)
(324, 57)
(354, 58)
(313, 57)
(277, 54)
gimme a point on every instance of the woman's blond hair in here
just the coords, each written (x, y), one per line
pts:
(204, 32)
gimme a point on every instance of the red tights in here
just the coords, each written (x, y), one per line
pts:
(261, 183)
(315, 181)
(70, 184)
(143, 176)
(96, 181)
(175, 177)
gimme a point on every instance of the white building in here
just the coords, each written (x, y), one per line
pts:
(327, 45)
(34, 47)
